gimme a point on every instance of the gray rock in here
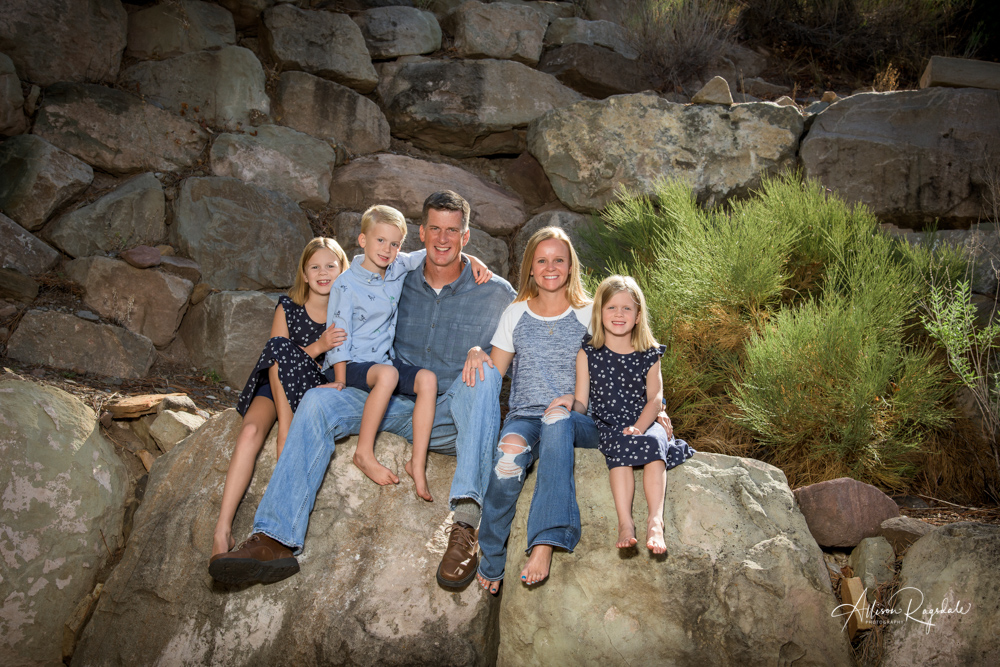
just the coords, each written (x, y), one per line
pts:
(246, 13)
(593, 33)
(527, 179)
(67, 342)
(842, 512)
(87, 315)
(224, 88)
(148, 302)
(16, 286)
(405, 182)
(910, 156)
(117, 132)
(960, 73)
(142, 257)
(323, 43)
(36, 179)
(176, 28)
(64, 490)
(23, 251)
(762, 88)
(816, 107)
(498, 30)
(785, 101)
(241, 235)
(227, 331)
(64, 40)
(981, 244)
(467, 107)
(715, 91)
(493, 252)
(365, 601)
(744, 582)
(188, 269)
(553, 10)
(280, 159)
(568, 221)
(12, 120)
(177, 403)
(590, 149)
(902, 531)
(873, 561)
(595, 71)
(328, 110)
(171, 427)
(391, 32)
(948, 585)
(132, 214)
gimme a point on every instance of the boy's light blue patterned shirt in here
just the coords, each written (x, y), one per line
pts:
(365, 305)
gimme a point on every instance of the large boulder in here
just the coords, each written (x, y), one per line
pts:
(553, 9)
(744, 582)
(910, 156)
(595, 71)
(64, 490)
(134, 213)
(330, 111)
(117, 132)
(74, 344)
(591, 149)
(246, 13)
(323, 43)
(405, 182)
(391, 32)
(12, 120)
(842, 512)
(36, 179)
(23, 251)
(223, 88)
(280, 159)
(226, 332)
(592, 33)
(498, 30)
(64, 40)
(467, 107)
(980, 244)
(176, 28)
(366, 593)
(946, 610)
(145, 301)
(241, 235)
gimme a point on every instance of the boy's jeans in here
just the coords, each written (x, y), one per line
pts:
(554, 517)
(466, 422)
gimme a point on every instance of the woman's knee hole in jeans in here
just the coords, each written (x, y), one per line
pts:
(510, 446)
(556, 414)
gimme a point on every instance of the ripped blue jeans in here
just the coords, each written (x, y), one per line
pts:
(554, 517)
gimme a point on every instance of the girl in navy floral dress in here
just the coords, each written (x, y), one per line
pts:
(288, 367)
(618, 373)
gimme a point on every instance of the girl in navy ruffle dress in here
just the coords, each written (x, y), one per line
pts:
(288, 367)
(618, 373)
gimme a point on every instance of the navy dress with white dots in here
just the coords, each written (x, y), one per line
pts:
(297, 371)
(617, 397)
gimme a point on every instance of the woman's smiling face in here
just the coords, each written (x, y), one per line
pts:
(550, 266)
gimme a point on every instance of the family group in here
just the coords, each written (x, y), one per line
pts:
(417, 344)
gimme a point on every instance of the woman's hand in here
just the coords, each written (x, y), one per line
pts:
(474, 362)
(332, 337)
(480, 271)
(339, 386)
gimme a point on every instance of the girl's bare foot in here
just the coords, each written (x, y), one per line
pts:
(654, 536)
(626, 536)
(222, 542)
(376, 472)
(536, 570)
(490, 587)
(419, 481)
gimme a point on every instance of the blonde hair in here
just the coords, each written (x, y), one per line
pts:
(642, 335)
(386, 215)
(528, 288)
(300, 290)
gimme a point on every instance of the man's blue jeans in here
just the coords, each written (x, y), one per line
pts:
(466, 422)
(554, 517)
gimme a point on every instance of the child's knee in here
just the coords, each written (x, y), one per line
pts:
(383, 375)
(510, 447)
(425, 381)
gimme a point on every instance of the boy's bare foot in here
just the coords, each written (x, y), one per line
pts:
(654, 537)
(222, 542)
(377, 472)
(419, 480)
(626, 536)
(490, 587)
(536, 570)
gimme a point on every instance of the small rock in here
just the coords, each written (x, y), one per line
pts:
(4, 332)
(172, 427)
(166, 250)
(177, 403)
(31, 101)
(17, 286)
(829, 97)
(142, 256)
(38, 372)
(902, 531)
(842, 512)
(762, 88)
(715, 91)
(785, 101)
(816, 107)
(106, 419)
(227, 389)
(873, 561)
(87, 315)
(146, 458)
(201, 290)
(7, 310)
(188, 269)
(132, 407)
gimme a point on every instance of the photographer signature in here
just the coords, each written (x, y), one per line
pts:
(880, 614)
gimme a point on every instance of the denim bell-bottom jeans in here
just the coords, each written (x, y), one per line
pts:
(554, 517)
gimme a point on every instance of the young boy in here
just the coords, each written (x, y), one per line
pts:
(364, 302)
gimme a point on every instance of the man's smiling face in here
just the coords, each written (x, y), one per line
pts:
(443, 237)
